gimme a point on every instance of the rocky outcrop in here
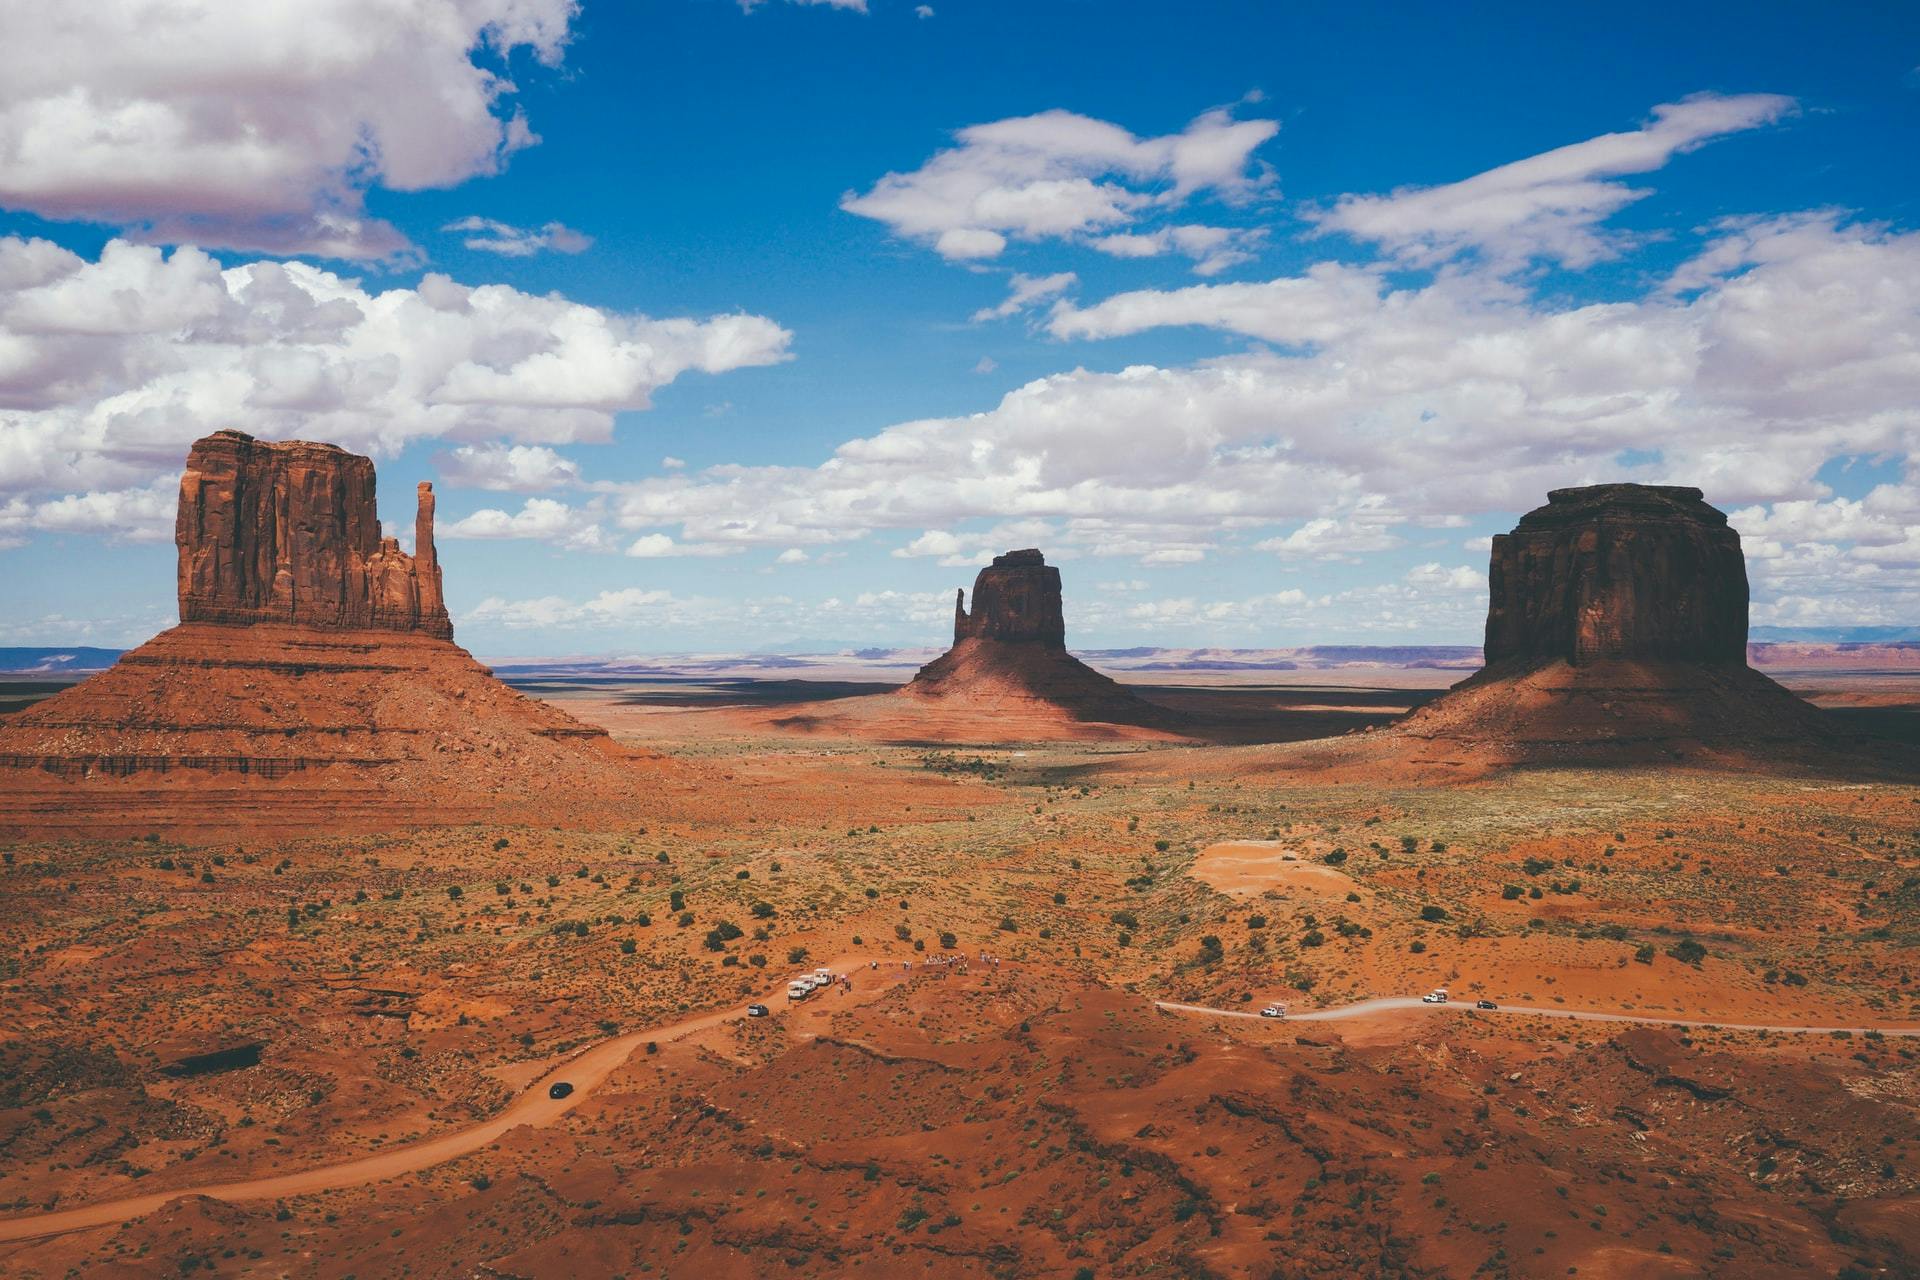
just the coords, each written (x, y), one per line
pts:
(1015, 599)
(1009, 661)
(1618, 571)
(288, 532)
(1616, 629)
(312, 680)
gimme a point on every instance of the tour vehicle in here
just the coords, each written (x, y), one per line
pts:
(559, 1089)
(1274, 1011)
(756, 1011)
(1485, 1004)
(1436, 996)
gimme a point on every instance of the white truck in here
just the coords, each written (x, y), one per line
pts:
(1436, 996)
(800, 988)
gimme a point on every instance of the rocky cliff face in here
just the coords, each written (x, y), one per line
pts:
(1017, 599)
(1618, 571)
(287, 532)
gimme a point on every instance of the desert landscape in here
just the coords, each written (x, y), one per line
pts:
(959, 640)
(1128, 976)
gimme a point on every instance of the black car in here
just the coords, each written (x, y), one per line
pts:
(1485, 1004)
(756, 1011)
(559, 1089)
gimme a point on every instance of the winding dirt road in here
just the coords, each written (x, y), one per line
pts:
(589, 1068)
(585, 1071)
(1400, 1004)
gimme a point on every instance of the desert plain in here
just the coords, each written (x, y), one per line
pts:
(204, 1003)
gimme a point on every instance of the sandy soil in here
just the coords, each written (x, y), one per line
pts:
(187, 1008)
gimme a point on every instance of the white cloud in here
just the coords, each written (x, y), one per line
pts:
(1330, 301)
(143, 514)
(518, 467)
(1546, 206)
(923, 11)
(851, 6)
(985, 364)
(1213, 249)
(792, 555)
(254, 125)
(658, 546)
(541, 519)
(489, 236)
(1794, 341)
(1059, 174)
(1025, 291)
(1439, 576)
(627, 606)
(110, 368)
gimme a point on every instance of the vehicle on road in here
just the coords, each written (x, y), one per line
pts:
(1274, 1011)
(1485, 1004)
(823, 977)
(559, 1089)
(799, 989)
(1436, 996)
(756, 1011)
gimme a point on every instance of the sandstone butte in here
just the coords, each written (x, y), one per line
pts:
(1009, 655)
(313, 676)
(1616, 625)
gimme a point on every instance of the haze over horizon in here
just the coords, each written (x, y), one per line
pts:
(728, 327)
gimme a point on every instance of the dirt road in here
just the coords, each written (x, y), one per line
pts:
(584, 1071)
(1403, 1004)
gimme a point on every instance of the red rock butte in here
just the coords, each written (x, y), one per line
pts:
(312, 679)
(288, 532)
(1009, 656)
(1616, 624)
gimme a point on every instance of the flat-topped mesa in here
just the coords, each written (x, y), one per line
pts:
(288, 532)
(1016, 599)
(1618, 572)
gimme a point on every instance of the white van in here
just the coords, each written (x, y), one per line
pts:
(823, 977)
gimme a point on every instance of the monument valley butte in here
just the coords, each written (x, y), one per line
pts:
(314, 913)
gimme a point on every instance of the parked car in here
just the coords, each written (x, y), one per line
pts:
(1274, 1011)
(559, 1089)
(756, 1011)
(799, 989)
(1436, 996)
(1485, 1004)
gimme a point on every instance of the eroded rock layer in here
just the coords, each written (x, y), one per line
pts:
(1618, 571)
(312, 680)
(288, 532)
(1009, 658)
(1616, 626)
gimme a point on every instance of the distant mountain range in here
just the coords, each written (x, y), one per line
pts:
(1771, 646)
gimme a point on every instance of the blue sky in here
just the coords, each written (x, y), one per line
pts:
(725, 329)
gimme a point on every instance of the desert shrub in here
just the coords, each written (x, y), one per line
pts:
(1009, 924)
(1126, 919)
(1645, 954)
(796, 954)
(903, 932)
(763, 910)
(1256, 922)
(1313, 938)
(1335, 858)
(1433, 913)
(1509, 892)
(628, 946)
(948, 942)
(1687, 951)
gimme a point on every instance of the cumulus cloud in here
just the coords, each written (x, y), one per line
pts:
(657, 546)
(1547, 206)
(110, 368)
(1061, 175)
(259, 126)
(519, 467)
(1025, 291)
(540, 519)
(489, 236)
(1781, 344)
(851, 6)
(1213, 249)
